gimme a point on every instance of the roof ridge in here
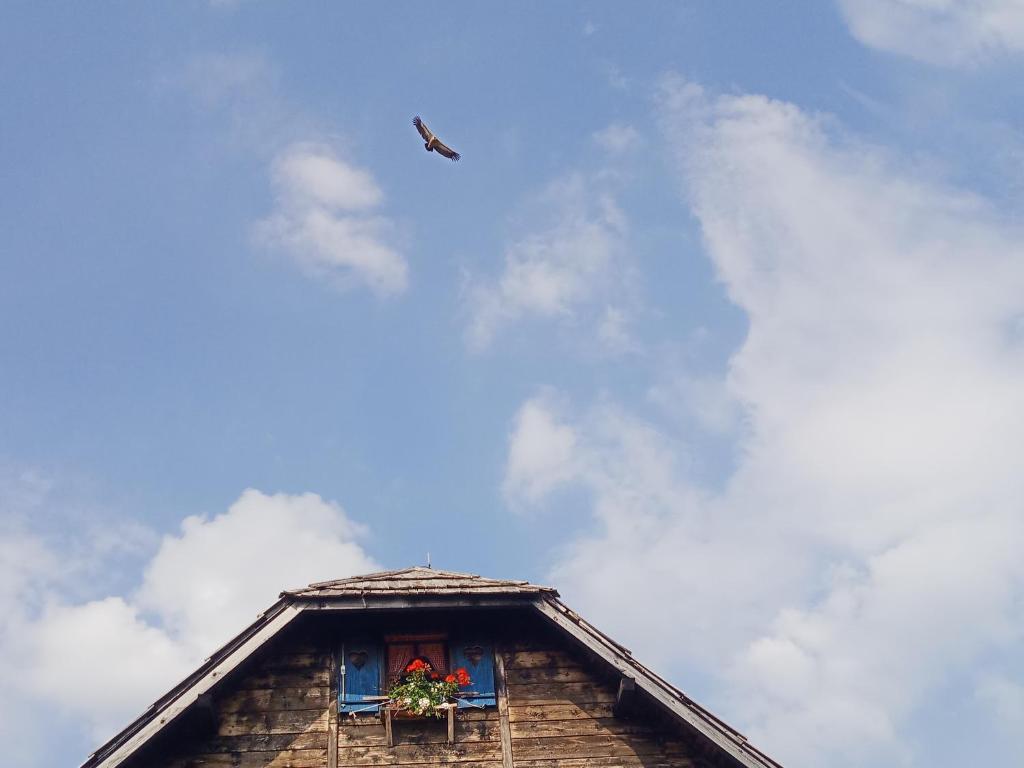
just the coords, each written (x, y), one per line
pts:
(416, 579)
(423, 570)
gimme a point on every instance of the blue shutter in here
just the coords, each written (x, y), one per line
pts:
(359, 675)
(478, 659)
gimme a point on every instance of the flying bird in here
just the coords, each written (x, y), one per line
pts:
(432, 143)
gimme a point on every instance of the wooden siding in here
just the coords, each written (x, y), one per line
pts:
(557, 713)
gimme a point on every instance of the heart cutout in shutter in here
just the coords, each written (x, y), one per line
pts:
(473, 653)
(358, 659)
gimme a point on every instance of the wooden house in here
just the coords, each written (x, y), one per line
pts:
(306, 686)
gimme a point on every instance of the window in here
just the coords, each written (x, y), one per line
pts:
(404, 648)
(368, 668)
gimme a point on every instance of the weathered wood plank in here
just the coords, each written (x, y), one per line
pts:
(332, 714)
(251, 700)
(588, 727)
(548, 675)
(549, 712)
(418, 733)
(299, 758)
(501, 694)
(420, 753)
(264, 742)
(592, 746)
(295, 662)
(282, 721)
(373, 721)
(539, 659)
(291, 678)
(559, 693)
(618, 761)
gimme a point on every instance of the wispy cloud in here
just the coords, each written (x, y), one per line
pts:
(568, 267)
(323, 221)
(617, 138)
(214, 78)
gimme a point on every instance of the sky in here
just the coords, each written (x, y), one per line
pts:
(718, 327)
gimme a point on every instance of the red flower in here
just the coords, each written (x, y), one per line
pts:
(415, 665)
(450, 679)
(463, 677)
(435, 676)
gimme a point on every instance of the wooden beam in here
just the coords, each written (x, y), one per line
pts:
(332, 715)
(205, 713)
(385, 603)
(625, 698)
(501, 693)
(389, 734)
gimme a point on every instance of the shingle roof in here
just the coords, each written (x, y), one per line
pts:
(418, 580)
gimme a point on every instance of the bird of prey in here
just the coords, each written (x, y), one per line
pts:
(432, 143)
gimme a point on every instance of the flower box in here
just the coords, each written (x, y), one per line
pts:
(391, 713)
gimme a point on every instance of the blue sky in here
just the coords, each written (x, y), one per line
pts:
(718, 326)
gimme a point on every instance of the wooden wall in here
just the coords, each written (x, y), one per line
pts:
(276, 713)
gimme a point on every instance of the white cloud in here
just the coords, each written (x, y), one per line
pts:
(565, 270)
(944, 32)
(323, 222)
(617, 138)
(540, 454)
(867, 547)
(102, 661)
(315, 177)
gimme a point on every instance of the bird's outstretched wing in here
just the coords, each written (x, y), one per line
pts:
(437, 145)
(422, 128)
(447, 151)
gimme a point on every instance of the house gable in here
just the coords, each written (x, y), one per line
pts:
(565, 695)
